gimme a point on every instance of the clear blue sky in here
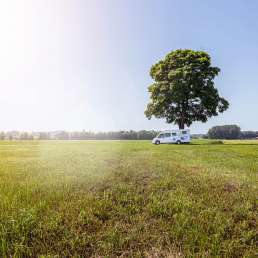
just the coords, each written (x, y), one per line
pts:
(75, 64)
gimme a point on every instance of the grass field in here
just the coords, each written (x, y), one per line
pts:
(128, 199)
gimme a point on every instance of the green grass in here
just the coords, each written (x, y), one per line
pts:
(129, 199)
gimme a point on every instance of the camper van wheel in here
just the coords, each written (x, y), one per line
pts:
(178, 142)
(157, 142)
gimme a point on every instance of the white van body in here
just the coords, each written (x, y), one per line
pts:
(173, 136)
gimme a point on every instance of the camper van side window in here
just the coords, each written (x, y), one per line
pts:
(173, 134)
(167, 135)
(184, 132)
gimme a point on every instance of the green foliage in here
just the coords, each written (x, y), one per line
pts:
(183, 90)
(249, 134)
(128, 198)
(225, 132)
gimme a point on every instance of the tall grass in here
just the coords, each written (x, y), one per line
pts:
(129, 199)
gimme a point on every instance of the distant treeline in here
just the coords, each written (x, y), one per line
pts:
(216, 132)
(230, 132)
(81, 135)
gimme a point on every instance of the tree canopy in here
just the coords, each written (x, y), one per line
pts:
(225, 132)
(183, 89)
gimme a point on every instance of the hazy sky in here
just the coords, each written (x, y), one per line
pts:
(80, 64)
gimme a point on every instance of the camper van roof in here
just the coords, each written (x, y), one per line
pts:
(176, 130)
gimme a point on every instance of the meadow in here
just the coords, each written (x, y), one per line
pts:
(128, 199)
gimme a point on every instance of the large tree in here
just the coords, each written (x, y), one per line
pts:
(183, 89)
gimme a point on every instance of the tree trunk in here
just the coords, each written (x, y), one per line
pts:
(181, 124)
(182, 117)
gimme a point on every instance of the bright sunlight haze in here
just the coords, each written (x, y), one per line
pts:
(76, 65)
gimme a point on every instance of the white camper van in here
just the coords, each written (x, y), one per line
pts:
(173, 136)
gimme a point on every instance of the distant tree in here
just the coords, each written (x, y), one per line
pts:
(205, 136)
(24, 136)
(30, 137)
(2, 136)
(62, 135)
(146, 135)
(183, 90)
(225, 132)
(249, 134)
(43, 136)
